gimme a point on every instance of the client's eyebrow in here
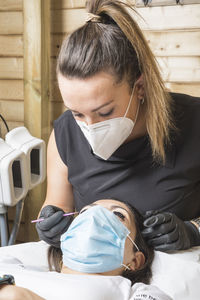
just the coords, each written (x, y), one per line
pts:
(112, 207)
(117, 206)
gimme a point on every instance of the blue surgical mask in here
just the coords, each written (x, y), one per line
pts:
(94, 242)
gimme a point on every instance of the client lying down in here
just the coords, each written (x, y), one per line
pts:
(103, 240)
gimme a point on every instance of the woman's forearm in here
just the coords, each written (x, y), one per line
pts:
(12, 292)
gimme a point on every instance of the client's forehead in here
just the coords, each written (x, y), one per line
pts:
(109, 203)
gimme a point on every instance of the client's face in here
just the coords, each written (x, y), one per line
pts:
(132, 258)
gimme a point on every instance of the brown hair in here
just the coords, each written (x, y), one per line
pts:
(142, 275)
(113, 42)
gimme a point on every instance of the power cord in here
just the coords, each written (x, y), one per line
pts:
(5, 123)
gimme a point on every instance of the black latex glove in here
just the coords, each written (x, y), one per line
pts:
(165, 231)
(53, 225)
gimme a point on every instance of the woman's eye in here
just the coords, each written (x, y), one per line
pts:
(106, 114)
(120, 215)
(78, 115)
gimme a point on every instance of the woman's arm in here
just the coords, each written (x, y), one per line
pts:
(59, 190)
(12, 292)
(59, 198)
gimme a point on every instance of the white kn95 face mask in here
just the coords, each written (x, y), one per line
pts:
(107, 136)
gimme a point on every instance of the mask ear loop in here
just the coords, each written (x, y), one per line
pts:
(138, 107)
(130, 101)
(127, 267)
(133, 243)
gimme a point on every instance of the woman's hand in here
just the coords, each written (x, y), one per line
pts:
(165, 231)
(12, 292)
(53, 225)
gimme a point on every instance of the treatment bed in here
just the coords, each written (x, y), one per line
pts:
(177, 274)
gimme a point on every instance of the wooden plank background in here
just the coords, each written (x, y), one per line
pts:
(152, 3)
(172, 31)
(11, 76)
(11, 63)
(11, 5)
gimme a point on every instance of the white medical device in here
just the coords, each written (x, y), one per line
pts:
(14, 183)
(22, 167)
(35, 151)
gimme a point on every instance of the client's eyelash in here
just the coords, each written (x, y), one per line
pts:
(120, 215)
(82, 211)
(107, 114)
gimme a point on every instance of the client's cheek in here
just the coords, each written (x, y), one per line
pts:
(128, 251)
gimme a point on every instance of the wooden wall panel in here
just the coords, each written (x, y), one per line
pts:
(140, 3)
(65, 21)
(57, 108)
(11, 73)
(11, 125)
(184, 88)
(56, 42)
(11, 215)
(11, 68)
(13, 5)
(11, 60)
(11, 22)
(174, 43)
(14, 124)
(55, 92)
(65, 4)
(53, 69)
(11, 45)
(180, 69)
(11, 90)
(169, 17)
(12, 110)
(36, 90)
(173, 33)
(21, 236)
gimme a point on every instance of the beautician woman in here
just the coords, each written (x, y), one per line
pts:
(123, 135)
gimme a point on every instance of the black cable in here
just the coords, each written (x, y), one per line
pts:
(8, 229)
(4, 121)
(145, 2)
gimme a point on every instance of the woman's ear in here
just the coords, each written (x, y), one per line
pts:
(138, 261)
(139, 85)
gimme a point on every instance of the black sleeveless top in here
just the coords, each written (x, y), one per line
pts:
(130, 174)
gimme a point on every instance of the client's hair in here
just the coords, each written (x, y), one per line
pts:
(142, 275)
(145, 273)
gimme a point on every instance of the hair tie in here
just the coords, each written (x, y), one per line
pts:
(93, 18)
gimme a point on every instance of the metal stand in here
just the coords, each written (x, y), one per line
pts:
(4, 225)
